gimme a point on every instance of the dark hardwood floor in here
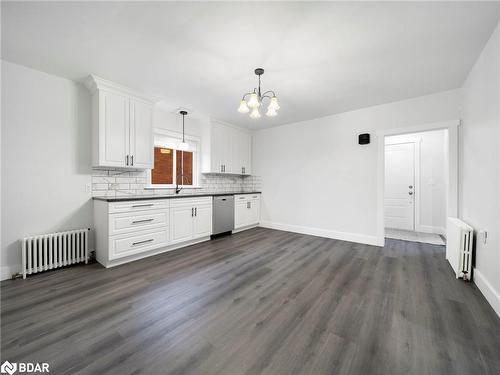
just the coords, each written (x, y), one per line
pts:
(258, 302)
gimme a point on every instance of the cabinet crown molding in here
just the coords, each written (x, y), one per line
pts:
(94, 83)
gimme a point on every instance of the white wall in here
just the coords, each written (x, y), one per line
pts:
(317, 179)
(480, 162)
(433, 179)
(45, 158)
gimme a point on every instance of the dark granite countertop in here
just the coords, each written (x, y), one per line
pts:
(149, 197)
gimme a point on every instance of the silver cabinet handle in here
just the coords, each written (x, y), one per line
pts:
(221, 169)
(192, 211)
(142, 221)
(242, 197)
(141, 242)
(132, 160)
(196, 211)
(143, 205)
(126, 160)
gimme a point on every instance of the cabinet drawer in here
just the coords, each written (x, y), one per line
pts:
(135, 221)
(180, 202)
(246, 197)
(126, 245)
(241, 198)
(141, 205)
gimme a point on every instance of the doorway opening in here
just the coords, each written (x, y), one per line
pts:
(418, 170)
(415, 195)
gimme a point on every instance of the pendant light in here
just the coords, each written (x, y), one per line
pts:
(183, 146)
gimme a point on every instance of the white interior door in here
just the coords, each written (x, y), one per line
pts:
(399, 202)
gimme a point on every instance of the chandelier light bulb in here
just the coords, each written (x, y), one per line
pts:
(271, 112)
(273, 104)
(253, 102)
(243, 108)
(255, 114)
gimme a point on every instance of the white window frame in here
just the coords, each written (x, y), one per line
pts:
(191, 139)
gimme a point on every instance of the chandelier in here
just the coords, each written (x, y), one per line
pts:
(255, 98)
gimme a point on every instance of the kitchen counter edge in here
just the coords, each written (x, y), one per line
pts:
(151, 197)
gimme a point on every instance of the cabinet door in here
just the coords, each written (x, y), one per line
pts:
(141, 134)
(241, 215)
(254, 212)
(221, 148)
(203, 221)
(113, 129)
(246, 152)
(216, 152)
(181, 224)
(236, 152)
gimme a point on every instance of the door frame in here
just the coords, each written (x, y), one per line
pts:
(452, 183)
(417, 141)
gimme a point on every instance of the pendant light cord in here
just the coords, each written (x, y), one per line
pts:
(183, 115)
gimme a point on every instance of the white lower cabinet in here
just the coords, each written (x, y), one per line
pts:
(246, 210)
(182, 223)
(126, 231)
(190, 218)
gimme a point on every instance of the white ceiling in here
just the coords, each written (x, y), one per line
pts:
(320, 58)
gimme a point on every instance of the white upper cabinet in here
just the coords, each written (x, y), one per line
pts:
(141, 134)
(122, 126)
(221, 148)
(113, 129)
(242, 152)
(230, 150)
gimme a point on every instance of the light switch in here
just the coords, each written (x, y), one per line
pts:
(484, 235)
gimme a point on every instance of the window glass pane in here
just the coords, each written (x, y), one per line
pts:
(184, 167)
(162, 172)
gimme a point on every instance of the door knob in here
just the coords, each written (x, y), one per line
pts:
(411, 186)
(410, 193)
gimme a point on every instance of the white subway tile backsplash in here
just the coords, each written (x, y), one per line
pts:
(121, 183)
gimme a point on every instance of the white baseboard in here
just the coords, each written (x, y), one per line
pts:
(344, 236)
(6, 272)
(491, 295)
(432, 229)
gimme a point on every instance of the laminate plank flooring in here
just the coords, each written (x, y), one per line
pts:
(257, 302)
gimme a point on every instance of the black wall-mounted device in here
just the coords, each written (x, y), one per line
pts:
(364, 139)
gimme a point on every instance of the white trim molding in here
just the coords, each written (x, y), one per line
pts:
(95, 83)
(491, 295)
(343, 236)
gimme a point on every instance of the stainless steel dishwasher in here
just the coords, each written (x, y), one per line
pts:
(223, 214)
